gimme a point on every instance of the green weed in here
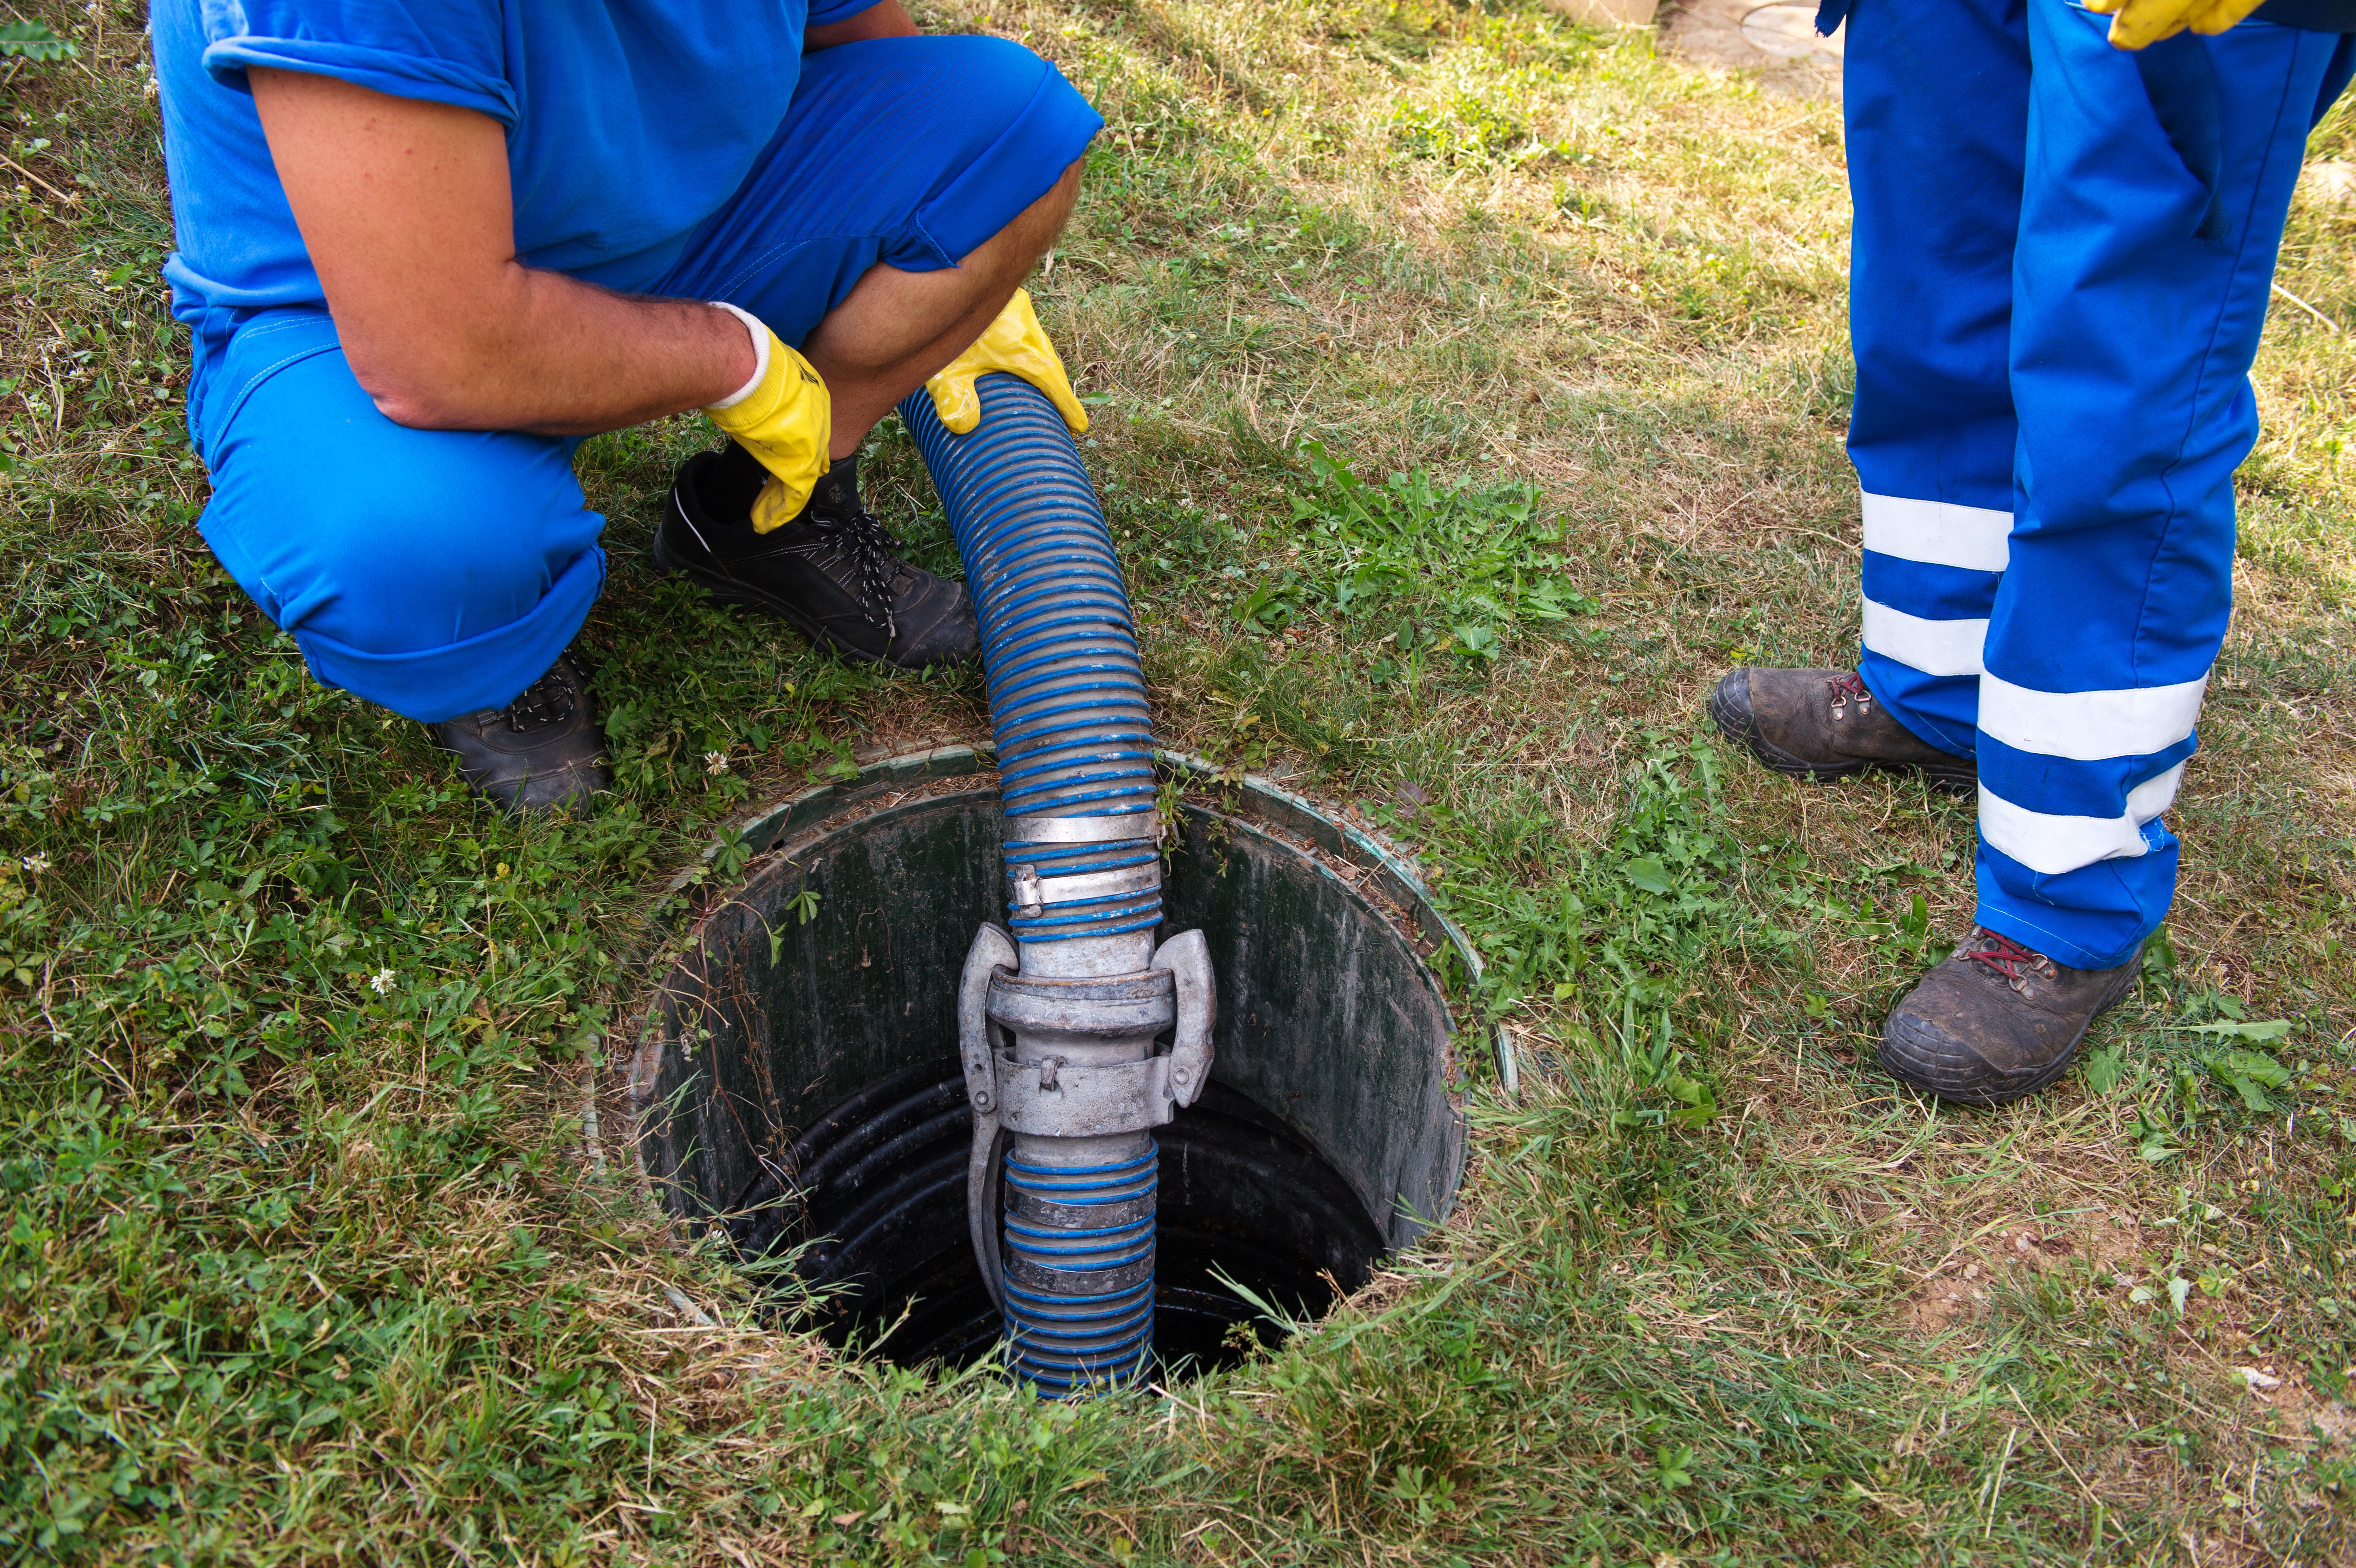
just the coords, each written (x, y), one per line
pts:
(35, 41)
(1414, 568)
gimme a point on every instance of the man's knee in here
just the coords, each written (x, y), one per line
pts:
(397, 571)
(981, 133)
(998, 82)
(346, 527)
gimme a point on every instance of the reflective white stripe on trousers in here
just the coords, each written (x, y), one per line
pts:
(2075, 726)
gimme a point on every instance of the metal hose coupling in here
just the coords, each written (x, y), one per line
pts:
(1067, 1086)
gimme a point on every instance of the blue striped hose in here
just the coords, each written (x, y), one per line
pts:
(1067, 703)
(1064, 1340)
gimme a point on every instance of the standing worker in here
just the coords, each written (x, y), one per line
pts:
(2065, 235)
(423, 247)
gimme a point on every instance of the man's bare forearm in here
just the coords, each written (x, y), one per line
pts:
(557, 356)
(669, 345)
(886, 19)
(405, 208)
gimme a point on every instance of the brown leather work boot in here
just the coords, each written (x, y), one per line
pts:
(1995, 1021)
(1825, 725)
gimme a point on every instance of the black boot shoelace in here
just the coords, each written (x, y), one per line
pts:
(546, 701)
(874, 551)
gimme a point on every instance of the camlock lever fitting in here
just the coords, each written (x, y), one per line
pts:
(1041, 1058)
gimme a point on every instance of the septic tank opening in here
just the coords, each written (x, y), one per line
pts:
(797, 1080)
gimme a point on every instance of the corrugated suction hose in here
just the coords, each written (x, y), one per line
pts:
(1060, 1012)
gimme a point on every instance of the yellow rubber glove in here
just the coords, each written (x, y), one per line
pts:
(1016, 344)
(782, 416)
(2137, 23)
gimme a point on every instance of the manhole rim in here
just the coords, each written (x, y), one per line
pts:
(771, 826)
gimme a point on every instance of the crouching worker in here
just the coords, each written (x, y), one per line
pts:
(2065, 233)
(425, 246)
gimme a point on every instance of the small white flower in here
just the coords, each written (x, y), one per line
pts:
(381, 981)
(715, 761)
(37, 864)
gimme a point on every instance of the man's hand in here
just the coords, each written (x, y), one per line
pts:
(406, 210)
(1016, 344)
(2137, 23)
(785, 418)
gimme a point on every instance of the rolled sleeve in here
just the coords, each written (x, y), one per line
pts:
(436, 50)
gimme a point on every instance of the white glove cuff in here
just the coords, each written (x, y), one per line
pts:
(754, 324)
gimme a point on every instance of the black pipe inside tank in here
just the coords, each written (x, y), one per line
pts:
(879, 1211)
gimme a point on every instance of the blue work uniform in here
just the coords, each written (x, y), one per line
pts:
(684, 148)
(2059, 268)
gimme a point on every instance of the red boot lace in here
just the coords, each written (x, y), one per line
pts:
(1848, 688)
(2005, 958)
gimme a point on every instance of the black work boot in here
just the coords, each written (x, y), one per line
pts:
(830, 570)
(1995, 1021)
(1825, 725)
(540, 751)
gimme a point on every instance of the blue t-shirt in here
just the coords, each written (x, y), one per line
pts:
(629, 123)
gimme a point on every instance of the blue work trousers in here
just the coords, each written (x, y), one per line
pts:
(441, 573)
(2059, 268)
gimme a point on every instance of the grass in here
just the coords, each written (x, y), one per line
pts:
(303, 1257)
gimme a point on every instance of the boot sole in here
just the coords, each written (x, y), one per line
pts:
(2006, 1096)
(1737, 725)
(726, 590)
